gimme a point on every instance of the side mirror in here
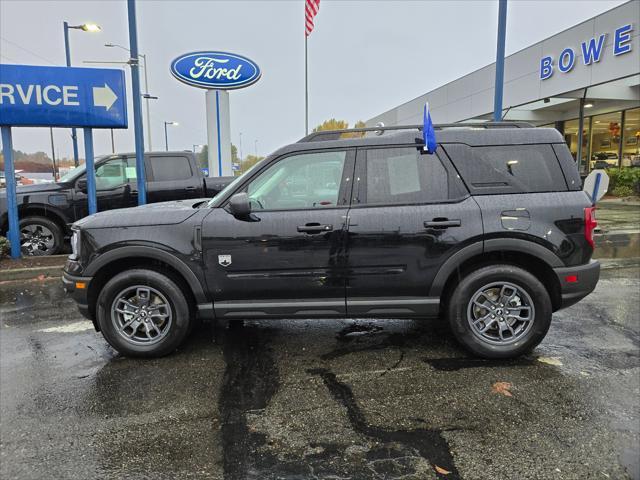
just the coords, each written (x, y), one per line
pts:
(82, 185)
(239, 205)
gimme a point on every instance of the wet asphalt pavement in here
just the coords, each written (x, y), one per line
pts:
(320, 399)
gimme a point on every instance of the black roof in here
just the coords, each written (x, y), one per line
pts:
(470, 134)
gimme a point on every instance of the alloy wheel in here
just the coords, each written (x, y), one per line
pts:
(500, 313)
(141, 315)
(36, 240)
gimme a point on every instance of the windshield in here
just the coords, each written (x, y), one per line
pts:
(215, 201)
(72, 173)
(77, 171)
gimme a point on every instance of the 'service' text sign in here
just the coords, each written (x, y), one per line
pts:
(36, 96)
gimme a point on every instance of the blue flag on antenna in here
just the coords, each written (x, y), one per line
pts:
(428, 132)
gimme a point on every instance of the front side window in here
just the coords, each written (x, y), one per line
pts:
(111, 174)
(403, 175)
(310, 180)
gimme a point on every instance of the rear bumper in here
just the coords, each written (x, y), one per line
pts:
(70, 284)
(586, 279)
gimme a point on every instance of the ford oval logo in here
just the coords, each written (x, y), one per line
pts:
(215, 70)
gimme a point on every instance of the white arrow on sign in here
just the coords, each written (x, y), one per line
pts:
(104, 97)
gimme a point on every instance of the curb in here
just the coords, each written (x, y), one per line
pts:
(30, 273)
(614, 263)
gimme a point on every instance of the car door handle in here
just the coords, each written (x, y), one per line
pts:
(190, 189)
(314, 228)
(442, 223)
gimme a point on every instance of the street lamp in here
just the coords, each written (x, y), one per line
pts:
(85, 27)
(89, 27)
(146, 95)
(166, 137)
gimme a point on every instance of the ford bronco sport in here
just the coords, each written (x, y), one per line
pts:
(492, 232)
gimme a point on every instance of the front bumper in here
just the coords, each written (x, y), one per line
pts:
(577, 282)
(77, 287)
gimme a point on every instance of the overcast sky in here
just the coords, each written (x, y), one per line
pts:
(364, 56)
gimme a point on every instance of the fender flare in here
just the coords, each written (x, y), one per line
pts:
(139, 251)
(493, 245)
(37, 206)
(525, 246)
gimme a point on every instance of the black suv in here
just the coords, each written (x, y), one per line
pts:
(493, 232)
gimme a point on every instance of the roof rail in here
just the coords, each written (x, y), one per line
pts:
(325, 135)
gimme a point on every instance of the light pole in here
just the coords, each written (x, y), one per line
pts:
(166, 137)
(86, 27)
(146, 95)
(255, 148)
(499, 84)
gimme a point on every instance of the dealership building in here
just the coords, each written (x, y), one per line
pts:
(584, 81)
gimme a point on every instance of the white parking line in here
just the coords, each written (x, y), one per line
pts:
(69, 328)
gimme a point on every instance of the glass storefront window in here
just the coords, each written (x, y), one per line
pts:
(631, 139)
(571, 137)
(606, 134)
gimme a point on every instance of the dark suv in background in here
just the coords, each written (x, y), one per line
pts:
(493, 232)
(47, 210)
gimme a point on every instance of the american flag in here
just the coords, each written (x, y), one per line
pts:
(311, 9)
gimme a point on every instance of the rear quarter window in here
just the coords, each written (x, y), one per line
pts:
(508, 168)
(167, 169)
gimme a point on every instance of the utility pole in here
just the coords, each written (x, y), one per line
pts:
(137, 108)
(53, 155)
(146, 94)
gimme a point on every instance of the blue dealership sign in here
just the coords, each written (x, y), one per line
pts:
(35, 96)
(215, 70)
(591, 50)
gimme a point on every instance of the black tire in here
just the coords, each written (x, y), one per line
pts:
(474, 282)
(181, 318)
(40, 236)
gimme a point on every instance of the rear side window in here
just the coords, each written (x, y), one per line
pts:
(508, 168)
(401, 176)
(170, 168)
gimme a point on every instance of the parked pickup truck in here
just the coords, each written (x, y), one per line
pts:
(47, 210)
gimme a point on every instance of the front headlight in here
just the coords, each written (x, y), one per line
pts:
(75, 243)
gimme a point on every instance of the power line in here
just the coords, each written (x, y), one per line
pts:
(9, 58)
(28, 51)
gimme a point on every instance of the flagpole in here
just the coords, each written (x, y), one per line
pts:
(306, 88)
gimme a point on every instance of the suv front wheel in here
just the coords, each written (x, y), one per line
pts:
(143, 313)
(500, 311)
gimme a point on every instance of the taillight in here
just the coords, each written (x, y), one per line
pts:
(590, 224)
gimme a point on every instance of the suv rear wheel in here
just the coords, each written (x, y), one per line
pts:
(143, 313)
(500, 311)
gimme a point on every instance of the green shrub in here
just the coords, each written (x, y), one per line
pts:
(4, 247)
(624, 182)
(622, 191)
